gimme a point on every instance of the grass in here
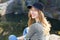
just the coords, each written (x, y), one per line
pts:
(14, 24)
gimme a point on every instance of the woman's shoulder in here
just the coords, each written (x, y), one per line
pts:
(35, 25)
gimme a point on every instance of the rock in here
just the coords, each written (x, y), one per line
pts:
(4, 7)
(54, 37)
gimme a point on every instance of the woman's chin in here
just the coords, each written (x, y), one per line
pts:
(33, 17)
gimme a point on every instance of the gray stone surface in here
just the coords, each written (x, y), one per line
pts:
(4, 7)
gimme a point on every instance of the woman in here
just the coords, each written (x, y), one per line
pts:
(38, 25)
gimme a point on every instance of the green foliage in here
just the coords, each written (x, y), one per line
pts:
(14, 24)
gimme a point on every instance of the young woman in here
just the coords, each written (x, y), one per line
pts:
(38, 25)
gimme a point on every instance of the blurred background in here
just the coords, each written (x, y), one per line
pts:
(14, 16)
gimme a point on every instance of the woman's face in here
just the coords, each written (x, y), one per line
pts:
(34, 12)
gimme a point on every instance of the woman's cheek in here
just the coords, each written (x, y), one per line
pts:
(36, 14)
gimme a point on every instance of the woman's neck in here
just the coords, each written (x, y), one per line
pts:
(37, 19)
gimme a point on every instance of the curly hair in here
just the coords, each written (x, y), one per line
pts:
(42, 19)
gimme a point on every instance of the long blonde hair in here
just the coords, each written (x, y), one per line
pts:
(42, 19)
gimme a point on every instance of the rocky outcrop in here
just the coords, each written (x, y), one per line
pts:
(3, 7)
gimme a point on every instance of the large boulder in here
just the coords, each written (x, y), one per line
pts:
(4, 7)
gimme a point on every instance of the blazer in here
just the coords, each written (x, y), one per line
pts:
(35, 32)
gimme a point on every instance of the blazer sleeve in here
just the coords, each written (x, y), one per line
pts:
(33, 29)
(30, 32)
